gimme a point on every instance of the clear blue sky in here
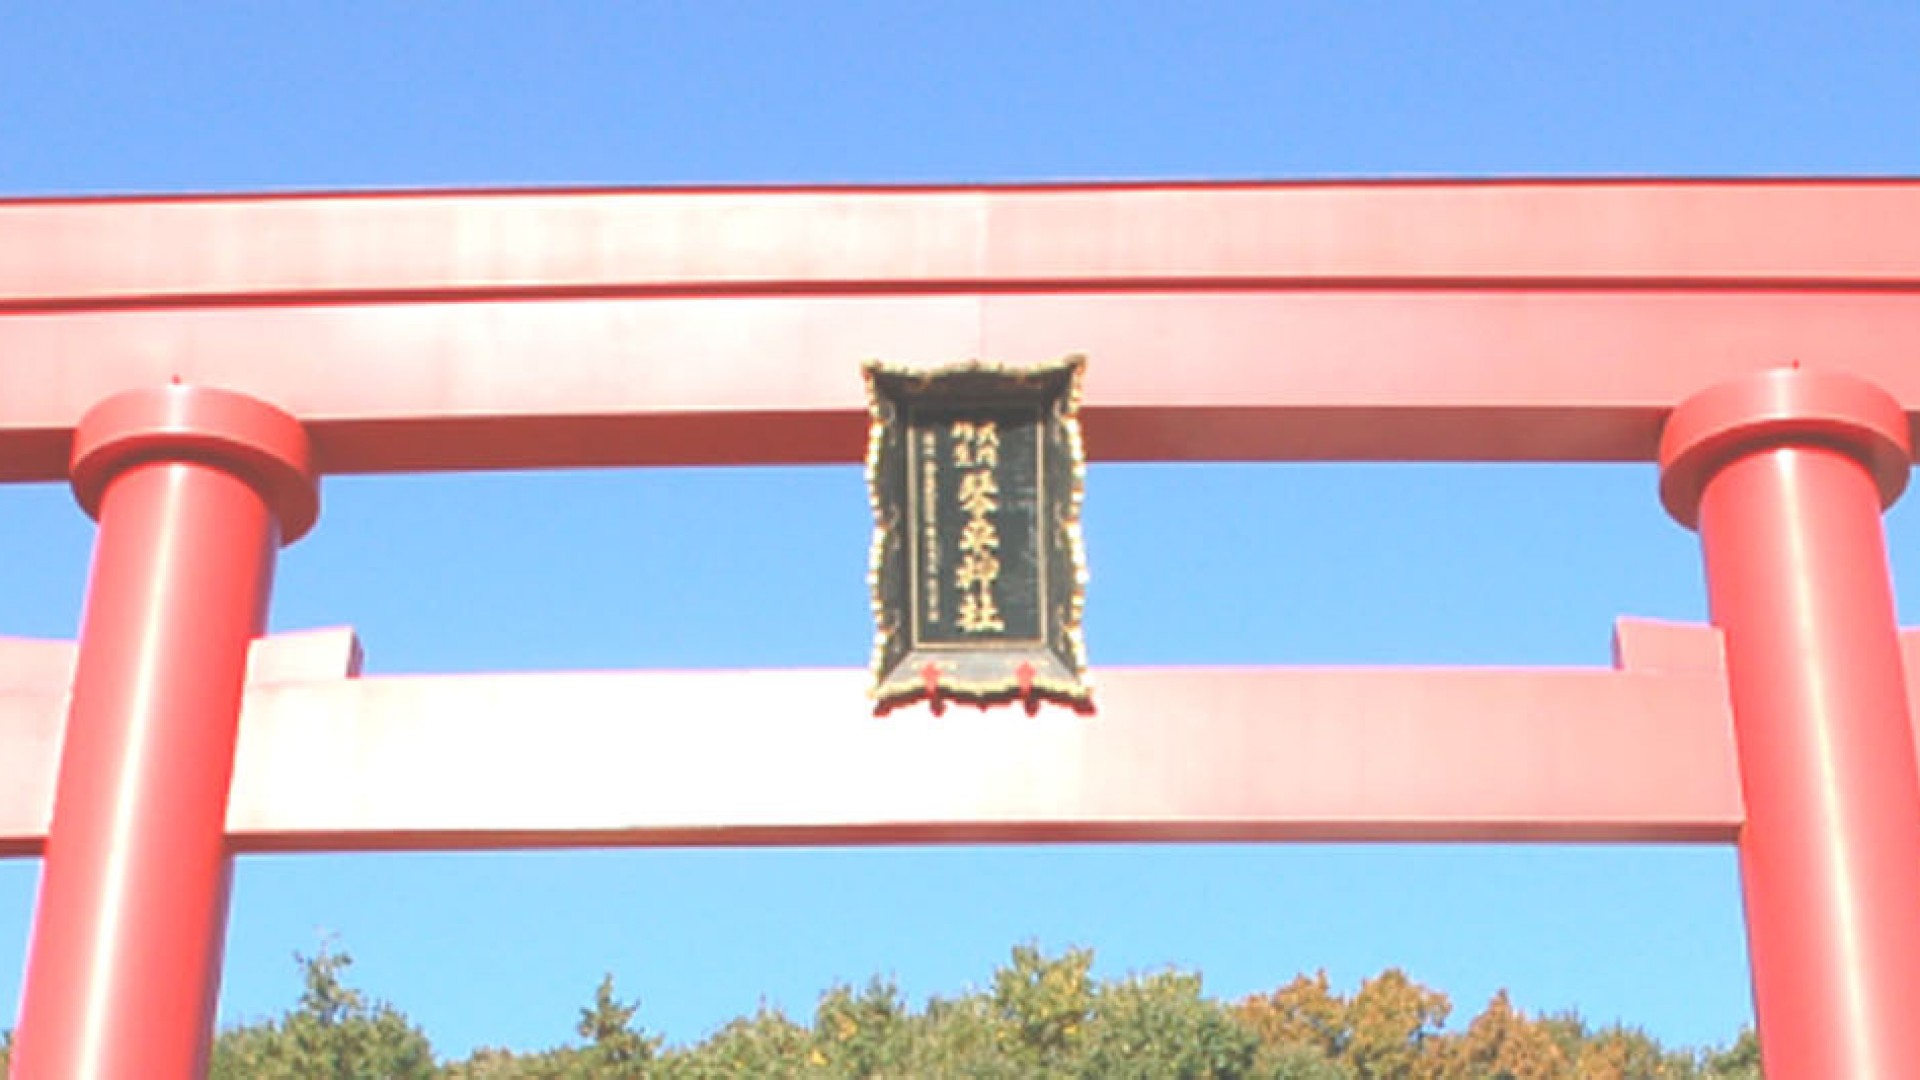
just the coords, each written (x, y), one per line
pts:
(1503, 565)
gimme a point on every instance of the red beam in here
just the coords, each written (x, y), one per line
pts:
(1504, 321)
(35, 677)
(1315, 375)
(655, 758)
(793, 758)
(93, 253)
(648, 758)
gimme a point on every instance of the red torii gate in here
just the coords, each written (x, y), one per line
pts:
(192, 365)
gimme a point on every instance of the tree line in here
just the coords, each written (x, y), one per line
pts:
(1042, 1018)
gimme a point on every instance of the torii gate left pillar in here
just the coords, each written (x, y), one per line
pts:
(194, 489)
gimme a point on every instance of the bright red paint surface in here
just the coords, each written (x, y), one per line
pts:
(1794, 469)
(1465, 321)
(124, 966)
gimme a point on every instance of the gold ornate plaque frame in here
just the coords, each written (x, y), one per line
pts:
(976, 473)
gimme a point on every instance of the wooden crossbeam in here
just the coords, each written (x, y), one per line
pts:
(1640, 753)
(107, 253)
(332, 762)
(1523, 321)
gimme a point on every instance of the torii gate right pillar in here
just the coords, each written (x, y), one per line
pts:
(1785, 474)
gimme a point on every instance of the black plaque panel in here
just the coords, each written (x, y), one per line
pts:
(975, 475)
(977, 549)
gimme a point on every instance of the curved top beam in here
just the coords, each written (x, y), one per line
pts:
(1553, 321)
(100, 254)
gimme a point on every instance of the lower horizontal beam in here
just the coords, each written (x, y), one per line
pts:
(795, 757)
(34, 678)
(327, 763)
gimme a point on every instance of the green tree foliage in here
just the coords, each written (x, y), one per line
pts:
(766, 1044)
(613, 1048)
(1741, 1061)
(1040, 1018)
(1158, 1027)
(334, 1033)
(1043, 1007)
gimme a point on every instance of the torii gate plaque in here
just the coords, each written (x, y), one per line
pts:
(976, 476)
(1554, 321)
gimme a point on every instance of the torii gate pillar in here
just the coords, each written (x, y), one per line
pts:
(1785, 473)
(194, 490)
